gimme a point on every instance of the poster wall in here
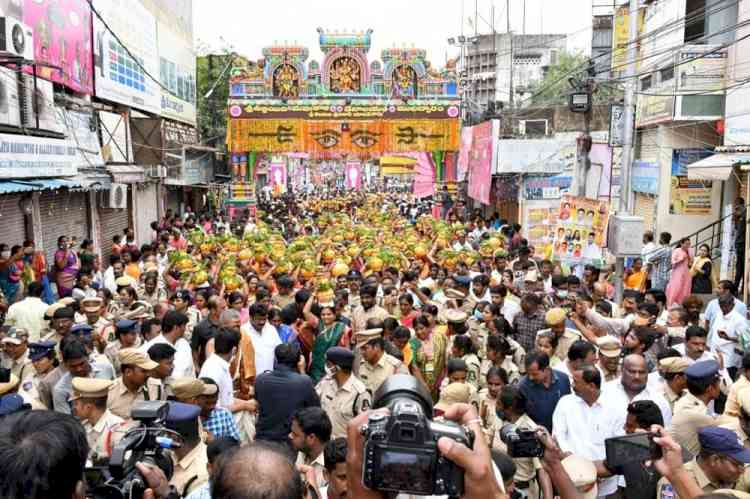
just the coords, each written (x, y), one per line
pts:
(581, 230)
(689, 196)
(541, 219)
(176, 73)
(118, 77)
(481, 160)
(62, 39)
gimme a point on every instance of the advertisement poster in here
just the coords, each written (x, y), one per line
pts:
(539, 188)
(700, 71)
(353, 175)
(540, 223)
(681, 158)
(62, 39)
(480, 162)
(277, 176)
(463, 156)
(620, 37)
(118, 77)
(78, 131)
(176, 73)
(581, 230)
(690, 197)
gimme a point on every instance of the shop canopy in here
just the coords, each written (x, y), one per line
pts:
(718, 166)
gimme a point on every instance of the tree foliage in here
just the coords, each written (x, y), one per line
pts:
(212, 111)
(554, 88)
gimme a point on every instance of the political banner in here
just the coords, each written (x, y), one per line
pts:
(581, 230)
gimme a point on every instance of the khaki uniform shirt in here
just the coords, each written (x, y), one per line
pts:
(121, 400)
(99, 435)
(690, 415)
(569, 337)
(664, 489)
(671, 396)
(344, 403)
(514, 373)
(374, 375)
(360, 316)
(191, 472)
(22, 367)
(473, 370)
(157, 389)
(317, 464)
(732, 406)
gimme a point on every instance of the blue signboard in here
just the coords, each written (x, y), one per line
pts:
(645, 177)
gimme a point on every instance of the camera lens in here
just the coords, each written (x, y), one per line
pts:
(400, 386)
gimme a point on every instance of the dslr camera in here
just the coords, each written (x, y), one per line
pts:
(401, 452)
(521, 443)
(146, 443)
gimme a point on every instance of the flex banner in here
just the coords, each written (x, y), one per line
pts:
(357, 138)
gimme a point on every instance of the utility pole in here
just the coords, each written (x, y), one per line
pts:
(584, 142)
(627, 143)
(510, 39)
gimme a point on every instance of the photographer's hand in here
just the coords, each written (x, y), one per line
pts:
(671, 464)
(156, 480)
(479, 477)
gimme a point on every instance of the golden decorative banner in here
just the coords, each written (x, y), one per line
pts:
(359, 138)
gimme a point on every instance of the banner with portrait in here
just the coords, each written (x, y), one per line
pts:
(581, 230)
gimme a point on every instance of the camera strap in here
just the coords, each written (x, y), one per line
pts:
(186, 488)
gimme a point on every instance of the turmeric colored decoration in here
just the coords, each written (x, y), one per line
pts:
(357, 138)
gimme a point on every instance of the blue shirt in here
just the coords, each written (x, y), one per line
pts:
(541, 401)
(220, 423)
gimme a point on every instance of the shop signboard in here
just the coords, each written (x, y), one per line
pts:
(621, 35)
(689, 196)
(119, 78)
(80, 132)
(537, 188)
(645, 177)
(654, 108)
(24, 156)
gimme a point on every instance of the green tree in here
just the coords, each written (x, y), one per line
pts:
(212, 107)
(554, 88)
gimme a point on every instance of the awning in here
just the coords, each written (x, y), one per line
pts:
(718, 166)
(15, 186)
(127, 174)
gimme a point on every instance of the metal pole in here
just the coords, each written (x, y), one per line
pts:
(510, 70)
(627, 143)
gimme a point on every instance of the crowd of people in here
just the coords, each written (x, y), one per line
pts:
(270, 335)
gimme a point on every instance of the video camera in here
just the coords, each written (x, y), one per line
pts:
(400, 452)
(147, 443)
(521, 443)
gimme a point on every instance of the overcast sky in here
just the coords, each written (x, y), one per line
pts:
(249, 25)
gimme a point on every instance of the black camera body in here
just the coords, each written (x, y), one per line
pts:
(520, 442)
(120, 479)
(401, 452)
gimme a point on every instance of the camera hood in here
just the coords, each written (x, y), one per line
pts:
(403, 386)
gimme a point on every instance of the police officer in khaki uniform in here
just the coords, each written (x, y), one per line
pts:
(15, 344)
(691, 410)
(376, 365)
(130, 387)
(555, 319)
(610, 352)
(719, 466)
(672, 369)
(190, 470)
(103, 329)
(342, 395)
(89, 400)
(62, 321)
(187, 390)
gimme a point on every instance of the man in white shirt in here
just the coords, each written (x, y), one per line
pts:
(113, 272)
(648, 247)
(508, 308)
(264, 336)
(632, 386)
(173, 327)
(216, 367)
(724, 288)
(724, 333)
(28, 314)
(581, 422)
